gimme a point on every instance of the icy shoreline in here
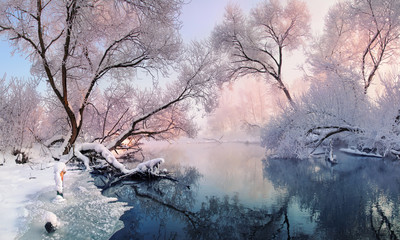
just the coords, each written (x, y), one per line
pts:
(27, 193)
(19, 184)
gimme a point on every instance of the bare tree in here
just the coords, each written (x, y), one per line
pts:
(360, 36)
(379, 20)
(20, 113)
(165, 113)
(255, 45)
(77, 43)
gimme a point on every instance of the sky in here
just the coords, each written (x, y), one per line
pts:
(198, 20)
(200, 16)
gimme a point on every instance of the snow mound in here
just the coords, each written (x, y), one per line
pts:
(150, 165)
(51, 218)
(59, 167)
(58, 200)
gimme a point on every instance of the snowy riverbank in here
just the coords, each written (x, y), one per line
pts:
(27, 193)
(18, 186)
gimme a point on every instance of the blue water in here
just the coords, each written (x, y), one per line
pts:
(232, 191)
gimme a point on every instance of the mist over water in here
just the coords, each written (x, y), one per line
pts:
(237, 193)
(233, 191)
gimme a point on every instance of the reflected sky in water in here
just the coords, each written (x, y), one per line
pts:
(232, 191)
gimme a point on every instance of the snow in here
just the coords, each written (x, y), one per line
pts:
(150, 165)
(27, 194)
(105, 153)
(58, 168)
(52, 218)
(359, 153)
(18, 183)
(54, 138)
(84, 214)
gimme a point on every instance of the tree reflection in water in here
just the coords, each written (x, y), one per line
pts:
(166, 210)
(356, 199)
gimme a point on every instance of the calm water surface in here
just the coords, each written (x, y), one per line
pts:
(232, 191)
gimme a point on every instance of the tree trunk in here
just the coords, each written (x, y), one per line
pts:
(75, 128)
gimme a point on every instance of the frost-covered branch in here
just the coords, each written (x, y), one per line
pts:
(328, 131)
(67, 40)
(255, 45)
(147, 166)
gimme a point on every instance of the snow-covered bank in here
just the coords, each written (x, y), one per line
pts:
(86, 213)
(27, 193)
(19, 186)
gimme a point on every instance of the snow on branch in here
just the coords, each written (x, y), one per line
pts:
(327, 131)
(103, 151)
(150, 166)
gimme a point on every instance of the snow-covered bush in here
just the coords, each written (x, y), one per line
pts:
(335, 105)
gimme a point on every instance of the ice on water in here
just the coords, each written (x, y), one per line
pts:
(85, 214)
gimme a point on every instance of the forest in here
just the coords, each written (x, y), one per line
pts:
(89, 58)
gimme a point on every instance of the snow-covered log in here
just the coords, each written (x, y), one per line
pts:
(53, 140)
(150, 166)
(103, 151)
(356, 152)
(328, 131)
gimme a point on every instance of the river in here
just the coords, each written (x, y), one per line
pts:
(232, 191)
(235, 192)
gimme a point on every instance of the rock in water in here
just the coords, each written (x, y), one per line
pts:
(49, 227)
(52, 222)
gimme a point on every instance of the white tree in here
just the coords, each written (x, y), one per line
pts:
(165, 112)
(359, 38)
(255, 45)
(359, 35)
(20, 113)
(75, 43)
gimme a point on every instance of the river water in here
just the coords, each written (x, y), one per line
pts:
(233, 191)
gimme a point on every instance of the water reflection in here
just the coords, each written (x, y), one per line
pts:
(165, 212)
(236, 193)
(356, 199)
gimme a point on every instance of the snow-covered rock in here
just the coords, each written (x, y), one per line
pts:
(51, 218)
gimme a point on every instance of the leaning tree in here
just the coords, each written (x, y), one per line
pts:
(76, 45)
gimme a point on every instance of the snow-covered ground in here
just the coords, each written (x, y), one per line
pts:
(27, 193)
(18, 186)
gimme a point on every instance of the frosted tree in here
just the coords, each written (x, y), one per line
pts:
(75, 44)
(166, 112)
(329, 109)
(359, 38)
(359, 35)
(255, 44)
(20, 113)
